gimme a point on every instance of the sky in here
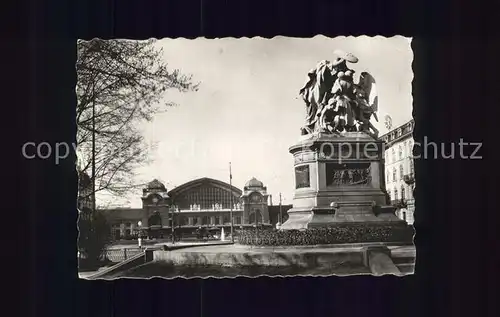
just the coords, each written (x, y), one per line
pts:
(247, 110)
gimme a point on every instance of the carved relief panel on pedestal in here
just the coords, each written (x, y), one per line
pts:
(354, 174)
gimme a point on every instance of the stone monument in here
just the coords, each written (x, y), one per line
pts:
(338, 161)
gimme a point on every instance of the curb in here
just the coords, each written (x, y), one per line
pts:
(174, 247)
(340, 245)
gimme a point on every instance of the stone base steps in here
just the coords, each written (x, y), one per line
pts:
(406, 268)
(396, 260)
(404, 261)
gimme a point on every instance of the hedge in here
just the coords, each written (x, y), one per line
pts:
(329, 235)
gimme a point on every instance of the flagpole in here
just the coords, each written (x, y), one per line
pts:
(231, 205)
(281, 214)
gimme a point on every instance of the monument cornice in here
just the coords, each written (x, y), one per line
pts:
(314, 141)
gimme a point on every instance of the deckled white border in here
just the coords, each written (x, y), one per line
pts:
(410, 39)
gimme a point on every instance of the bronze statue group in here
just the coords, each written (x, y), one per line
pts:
(334, 102)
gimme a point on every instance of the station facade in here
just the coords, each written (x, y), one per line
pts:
(203, 202)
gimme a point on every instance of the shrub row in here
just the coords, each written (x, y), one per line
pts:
(330, 235)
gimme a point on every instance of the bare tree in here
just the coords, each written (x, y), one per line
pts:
(124, 81)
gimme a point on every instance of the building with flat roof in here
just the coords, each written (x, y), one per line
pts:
(399, 169)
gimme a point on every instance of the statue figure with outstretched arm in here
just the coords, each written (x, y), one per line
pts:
(367, 103)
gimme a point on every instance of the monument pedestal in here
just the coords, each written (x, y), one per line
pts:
(339, 180)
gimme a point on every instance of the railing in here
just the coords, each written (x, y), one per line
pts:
(119, 255)
(218, 209)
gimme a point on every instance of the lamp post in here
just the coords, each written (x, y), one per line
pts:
(139, 239)
(231, 203)
(172, 211)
